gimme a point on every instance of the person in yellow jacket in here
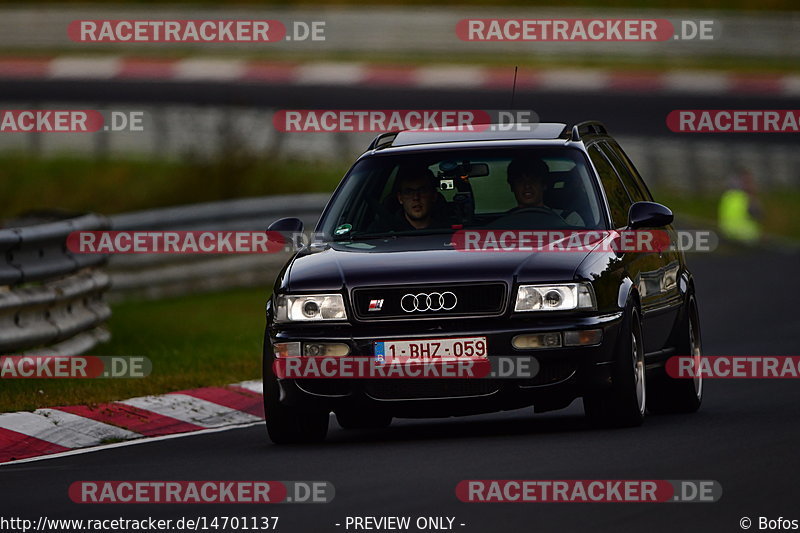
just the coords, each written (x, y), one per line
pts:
(739, 210)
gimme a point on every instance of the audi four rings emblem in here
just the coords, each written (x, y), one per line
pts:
(435, 301)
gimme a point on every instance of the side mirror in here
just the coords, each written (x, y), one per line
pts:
(649, 215)
(287, 225)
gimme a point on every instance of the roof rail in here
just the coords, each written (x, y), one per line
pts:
(382, 141)
(589, 127)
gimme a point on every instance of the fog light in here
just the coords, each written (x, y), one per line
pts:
(537, 340)
(586, 337)
(286, 349)
(325, 349)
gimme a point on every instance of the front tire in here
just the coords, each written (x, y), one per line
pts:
(681, 395)
(623, 404)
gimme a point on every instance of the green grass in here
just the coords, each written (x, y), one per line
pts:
(114, 186)
(194, 341)
(780, 208)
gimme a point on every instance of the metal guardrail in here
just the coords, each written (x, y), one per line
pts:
(152, 276)
(51, 301)
(54, 302)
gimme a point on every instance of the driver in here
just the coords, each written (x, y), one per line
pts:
(527, 178)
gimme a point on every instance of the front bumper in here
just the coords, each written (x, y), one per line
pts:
(565, 373)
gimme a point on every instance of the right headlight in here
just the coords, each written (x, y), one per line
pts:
(310, 308)
(559, 297)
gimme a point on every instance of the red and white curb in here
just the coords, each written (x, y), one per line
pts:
(362, 74)
(61, 429)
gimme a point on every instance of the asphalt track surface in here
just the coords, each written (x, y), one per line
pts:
(623, 112)
(745, 437)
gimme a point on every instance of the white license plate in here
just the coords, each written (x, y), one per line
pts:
(432, 349)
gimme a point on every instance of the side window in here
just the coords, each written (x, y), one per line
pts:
(618, 199)
(625, 166)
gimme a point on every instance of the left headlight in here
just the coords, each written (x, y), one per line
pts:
(310, 307)
(562, 297)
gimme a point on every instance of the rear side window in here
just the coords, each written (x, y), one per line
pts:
(635, 191)
(618, 200)
(626, 167)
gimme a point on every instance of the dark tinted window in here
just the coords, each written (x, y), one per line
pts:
(625, 166)
(450, 190)
(618, 199)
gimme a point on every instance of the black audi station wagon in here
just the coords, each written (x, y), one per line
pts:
(388, 275)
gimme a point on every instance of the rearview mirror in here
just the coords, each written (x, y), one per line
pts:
(649, 215)
(476, 170)
(454, 169)
(287, 225)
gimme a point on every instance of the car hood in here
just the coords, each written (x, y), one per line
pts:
(422, 260)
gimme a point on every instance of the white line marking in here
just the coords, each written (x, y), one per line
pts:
(255, 385)
(330, 74)
(450, 76)
(696, 82)
(584, 80)
(192, 410)
(209, 69)
(82, 67)
(791, 85)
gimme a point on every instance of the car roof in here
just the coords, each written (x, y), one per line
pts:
(482, 132)
(486, 135)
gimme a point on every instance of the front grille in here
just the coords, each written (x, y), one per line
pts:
(401, 389)
(429, 301)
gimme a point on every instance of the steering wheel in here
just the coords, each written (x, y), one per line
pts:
(543, 210)
(522, 211)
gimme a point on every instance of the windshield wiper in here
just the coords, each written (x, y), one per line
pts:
(362, 236)
(392, 234)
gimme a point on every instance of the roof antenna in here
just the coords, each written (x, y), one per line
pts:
(514, 87)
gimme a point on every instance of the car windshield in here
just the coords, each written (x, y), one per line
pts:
(439, 191)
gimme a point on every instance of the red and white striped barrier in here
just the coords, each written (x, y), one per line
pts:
(362, 74)
(60, 429)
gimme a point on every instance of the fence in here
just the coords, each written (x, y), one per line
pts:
(155, 276)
